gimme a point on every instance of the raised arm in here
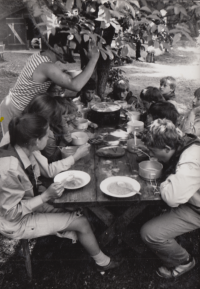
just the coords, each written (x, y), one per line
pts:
(57, 75)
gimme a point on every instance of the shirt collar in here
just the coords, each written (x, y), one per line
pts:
(24, 158)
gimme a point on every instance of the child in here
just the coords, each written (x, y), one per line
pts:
(148, 96)
(87, 94)
(181, 191)
(167, 88)
(26, 213)
(190, 123)
(162, 110)
(121, 92)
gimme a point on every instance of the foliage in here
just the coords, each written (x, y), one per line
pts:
(114, 75)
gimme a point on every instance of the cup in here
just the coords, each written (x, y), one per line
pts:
(135, 126)
(134, 115)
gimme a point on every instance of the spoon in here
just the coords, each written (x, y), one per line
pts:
(68, 179)
(123, 185)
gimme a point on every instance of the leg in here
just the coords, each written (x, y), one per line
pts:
(85, 235)
(159, 234)
(26, 252)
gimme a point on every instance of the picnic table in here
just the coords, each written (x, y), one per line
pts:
(91, 198)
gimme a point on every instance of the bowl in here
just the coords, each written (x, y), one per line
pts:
(68, 151)
(150, 170)
(81, 123)
(135, 126)
(79, 138)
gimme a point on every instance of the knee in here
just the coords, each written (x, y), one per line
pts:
(84, 226)
(149, 233)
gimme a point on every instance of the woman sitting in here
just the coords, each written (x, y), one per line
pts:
(26, 214)
(51, 109)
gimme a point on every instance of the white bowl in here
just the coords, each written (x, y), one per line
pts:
(76, 174)
(68, 151)
(81, 123)
(79, 138)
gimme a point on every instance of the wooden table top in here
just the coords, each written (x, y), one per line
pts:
(99, 169)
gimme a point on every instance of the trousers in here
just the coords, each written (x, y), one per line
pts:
(159, 234)
(7, 111)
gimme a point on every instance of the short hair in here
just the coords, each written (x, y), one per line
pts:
(171, 80)
(197, 93)
(27, 128)
(162, 133)
(151, 94)
(163, 110)
(59, 37)
(90, 85)
(121, 85)
(47, 107)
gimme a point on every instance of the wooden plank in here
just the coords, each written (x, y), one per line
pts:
(103, 214)
(119, 226)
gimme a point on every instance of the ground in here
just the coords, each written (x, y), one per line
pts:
(59, 264)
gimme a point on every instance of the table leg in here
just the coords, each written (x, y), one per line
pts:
(119, 225)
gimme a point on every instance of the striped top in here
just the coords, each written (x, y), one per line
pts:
(25, 88)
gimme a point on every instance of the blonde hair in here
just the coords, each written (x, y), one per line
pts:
(162, 133)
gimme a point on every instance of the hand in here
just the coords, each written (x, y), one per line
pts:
(93, 125)
(54, 191)
(81, 152)
(93, 51)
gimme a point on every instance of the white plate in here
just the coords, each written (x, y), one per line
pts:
(105, 183)
(79, 174)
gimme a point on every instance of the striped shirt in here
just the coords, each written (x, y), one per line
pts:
(26, 88)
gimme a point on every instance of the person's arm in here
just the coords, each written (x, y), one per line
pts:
(51, 170)
(59, 77)
(188, 126)
(181, 186)
(16, 193)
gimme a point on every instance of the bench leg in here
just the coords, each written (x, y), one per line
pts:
(27, 256)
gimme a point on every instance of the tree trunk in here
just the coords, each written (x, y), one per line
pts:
(103, 68)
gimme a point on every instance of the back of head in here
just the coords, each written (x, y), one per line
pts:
(24, 130)
(121, 85)
(197, 93)
(163, 110)
(45, 106)
(151, 94)
(162, 133)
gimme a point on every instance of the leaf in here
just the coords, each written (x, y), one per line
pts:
(161, 28)
(136, 3)
(166, 45)
(176, 38)
(153, 28)
(156, 12)
(177, 10)
(86, 37)
(183, 11)
(169, 8)
(103, 14)
(103, 55)
(155, 17)
(69, 5)
(78, 37)
(145, 9)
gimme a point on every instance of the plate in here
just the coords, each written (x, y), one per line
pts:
(85, 178)
(111, 152)
(105, 183)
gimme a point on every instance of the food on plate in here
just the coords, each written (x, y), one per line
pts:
(117, 188)
(110, 138)
(73, 182)
(113, 151)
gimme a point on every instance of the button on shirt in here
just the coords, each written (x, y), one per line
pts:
(16, 191)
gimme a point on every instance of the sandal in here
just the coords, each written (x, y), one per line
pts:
(177, 271)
